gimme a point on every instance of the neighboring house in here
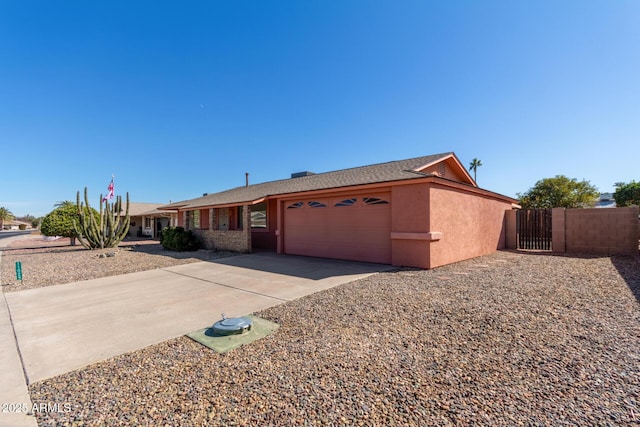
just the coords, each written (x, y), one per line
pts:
(606, 200)
(147, 220)
(14, 225)
(421, 212)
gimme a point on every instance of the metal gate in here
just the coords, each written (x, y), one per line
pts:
(534, 229)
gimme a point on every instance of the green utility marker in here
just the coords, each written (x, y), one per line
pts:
(260, 328)
(19, 271)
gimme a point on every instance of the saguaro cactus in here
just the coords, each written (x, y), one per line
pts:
(108, 229)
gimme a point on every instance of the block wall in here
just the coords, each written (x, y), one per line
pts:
(601, 231)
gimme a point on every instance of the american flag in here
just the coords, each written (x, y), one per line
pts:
(110, 194)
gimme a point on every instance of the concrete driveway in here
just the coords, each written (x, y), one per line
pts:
(66, 327)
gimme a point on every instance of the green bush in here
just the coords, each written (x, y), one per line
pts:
(59, 222)
(178, 239)
(627, 194)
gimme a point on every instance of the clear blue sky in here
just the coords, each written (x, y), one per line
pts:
(181, 98)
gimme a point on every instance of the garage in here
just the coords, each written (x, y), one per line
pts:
(421, 212)
(353, 227)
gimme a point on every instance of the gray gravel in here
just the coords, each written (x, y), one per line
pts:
(56, 262)
(508, 339)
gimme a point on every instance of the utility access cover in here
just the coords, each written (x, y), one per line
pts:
(210, 338)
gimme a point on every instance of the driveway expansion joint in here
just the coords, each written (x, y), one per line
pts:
(225, 285)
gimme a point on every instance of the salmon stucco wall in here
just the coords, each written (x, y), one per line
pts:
(470, 224)
(410, 225)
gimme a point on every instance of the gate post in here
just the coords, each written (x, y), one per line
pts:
(558, 241)
(511, 233)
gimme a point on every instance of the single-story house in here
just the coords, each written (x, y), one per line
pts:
(14, 225)
(422, 212)
(606, 200)
(147, 220)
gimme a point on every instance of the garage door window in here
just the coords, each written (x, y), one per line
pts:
(374, 201)
(347, 202)
(315, 204)
(295, 205)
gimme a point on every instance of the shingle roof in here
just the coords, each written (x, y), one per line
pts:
(381, 172)
(139, 209)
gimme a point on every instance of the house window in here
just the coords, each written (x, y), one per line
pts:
(374, 201)
(295, 205)
(317, 205)
(240, 218)
(147, 222)
(194, 220)
(221, 219)
(259, 215)
(347, 202)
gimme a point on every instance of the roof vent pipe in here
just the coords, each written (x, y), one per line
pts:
(246, 179)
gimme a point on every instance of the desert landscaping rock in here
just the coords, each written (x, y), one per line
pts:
(507, 339)
(55, 263)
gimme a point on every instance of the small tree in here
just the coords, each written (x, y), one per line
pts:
(474, 165)
(627, 194)
(59, 222)
(559, 192)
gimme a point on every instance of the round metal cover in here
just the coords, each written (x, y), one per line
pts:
(232, 326)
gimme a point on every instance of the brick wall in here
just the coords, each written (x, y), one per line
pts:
(231, 240)
(597, 231)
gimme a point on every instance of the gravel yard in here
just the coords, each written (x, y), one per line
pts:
(46, 263)
(507, 339)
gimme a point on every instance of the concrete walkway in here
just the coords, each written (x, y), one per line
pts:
(66, 327)
(14, 396)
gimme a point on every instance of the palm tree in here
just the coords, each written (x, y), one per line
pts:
(64, 204)
(5, 215)
(473, 166)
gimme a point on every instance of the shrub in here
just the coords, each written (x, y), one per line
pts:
(627, 194)
(59, 222)
(178, 239)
